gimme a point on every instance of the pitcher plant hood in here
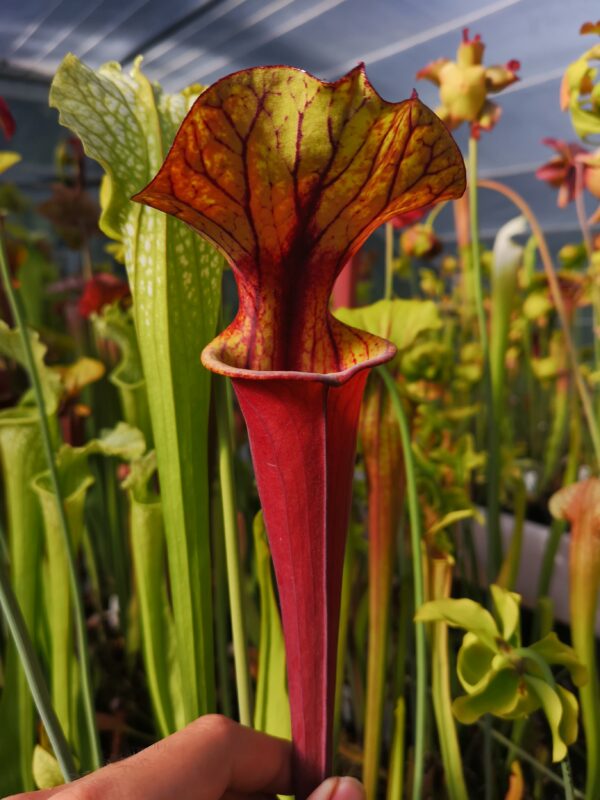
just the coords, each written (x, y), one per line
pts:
(288, 176)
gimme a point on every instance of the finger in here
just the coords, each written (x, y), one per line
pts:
(204, 760)
(339, 789)
(259, 763)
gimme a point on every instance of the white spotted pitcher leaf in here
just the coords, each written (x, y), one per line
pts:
(127, 125)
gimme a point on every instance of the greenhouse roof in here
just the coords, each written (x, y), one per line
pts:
(189, 41)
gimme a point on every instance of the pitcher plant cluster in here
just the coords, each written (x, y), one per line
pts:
(225, 491)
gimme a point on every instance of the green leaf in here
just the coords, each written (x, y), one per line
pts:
(553, 651)
(272, 709)
(400, 321)
(75, 478)
(500, 696)
(46, 771)
(63, 665)
(79, 374)
(140, 472)
(552, 706)
(11, 346)
(454, 516)
(507, 608)
(21, 457)
(118, 325)
(474, 663)
(465, 614)
(127, 125)
(148, 552)
(569, 723)
(440, 584)
(123, 441)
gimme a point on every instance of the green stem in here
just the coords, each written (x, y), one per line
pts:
(221, 604)
(565, 768)
(537, 765)
(589, 246)
(147, 537)
(557, 435)
(234, 578)
(507, 577)
(493, 482)
(80, 631)
(529, 264)
(517, 733)
(114, 533)
(349, 558)
(555, 291)
(488, 760)
(396, 756)
(558, 526)
(440, 579)
(583, 605)
(544, 610)
(475, 251)
(466, 532)
(434, 214)
(34, 675)
(377, 655)
(395, 785)
(389, 261)
(419, 593)
(271, 706)
(492, 400)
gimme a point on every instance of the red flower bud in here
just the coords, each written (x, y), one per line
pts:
(101, 290)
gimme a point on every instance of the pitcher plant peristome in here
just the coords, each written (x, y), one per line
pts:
(287, 176)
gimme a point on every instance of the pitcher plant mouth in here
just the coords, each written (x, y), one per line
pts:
(287, 176)
(371, 352)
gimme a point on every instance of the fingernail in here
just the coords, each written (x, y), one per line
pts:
(349, 789)
(339, 789)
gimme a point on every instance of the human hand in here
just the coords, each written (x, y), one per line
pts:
(212, 759)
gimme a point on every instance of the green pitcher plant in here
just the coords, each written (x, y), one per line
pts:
(127, 124)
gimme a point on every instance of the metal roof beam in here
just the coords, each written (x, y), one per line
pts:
(387, 51)
(170, 30)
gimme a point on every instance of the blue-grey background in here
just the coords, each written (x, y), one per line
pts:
(185, 41)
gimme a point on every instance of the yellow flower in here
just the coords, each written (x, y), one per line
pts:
(466, 83)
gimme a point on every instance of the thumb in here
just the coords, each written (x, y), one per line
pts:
(339, 789)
